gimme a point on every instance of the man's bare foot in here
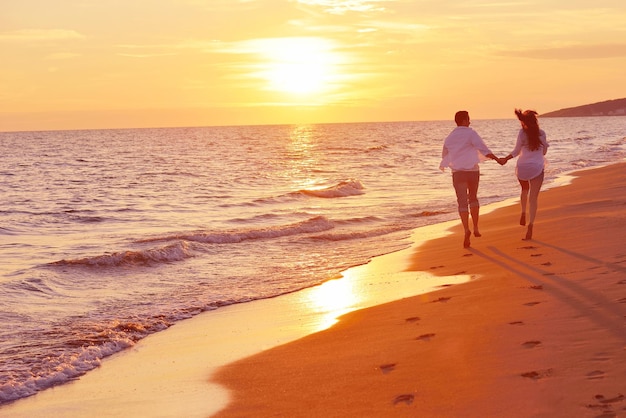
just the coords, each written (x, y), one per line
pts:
(466, 242)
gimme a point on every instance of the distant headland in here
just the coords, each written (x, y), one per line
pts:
(615, 107)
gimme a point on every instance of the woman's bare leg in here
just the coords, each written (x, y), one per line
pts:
(533, 199)
(523, 199)
(533, 196)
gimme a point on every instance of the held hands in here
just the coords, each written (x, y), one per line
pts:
(500, 161)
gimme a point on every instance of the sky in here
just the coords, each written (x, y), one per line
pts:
(83, 64)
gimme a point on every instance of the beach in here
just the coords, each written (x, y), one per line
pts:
(531, 328)
(104, 246)
(538, 331)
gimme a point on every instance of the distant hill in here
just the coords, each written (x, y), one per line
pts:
(615, 107)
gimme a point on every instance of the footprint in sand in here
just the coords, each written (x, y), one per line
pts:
(468, 255)
(436, 267)
(516, 323)
(528, 247)
(622, 282)
(605, 405)
(532, 303)
(442, 299)
(536, 255)
(387, 368)
(601, 357)
(413, 319)
(622, 300)
(537, 374)
(425, 337)
(546, 263)
(596, 374)
(531, 344)
(603, 399)
(406, 398)
(536, 287)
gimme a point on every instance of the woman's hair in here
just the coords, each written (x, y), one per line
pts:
(530, 126)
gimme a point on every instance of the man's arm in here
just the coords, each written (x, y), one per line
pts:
(444, 161)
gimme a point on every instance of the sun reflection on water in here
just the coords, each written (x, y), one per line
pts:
(301, 155)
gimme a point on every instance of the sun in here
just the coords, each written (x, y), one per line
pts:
(299, 76)
(299, 66)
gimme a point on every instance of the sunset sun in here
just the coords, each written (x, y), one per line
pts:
(299, 66)
(300, 76)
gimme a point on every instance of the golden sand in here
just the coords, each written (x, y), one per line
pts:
(539, 331)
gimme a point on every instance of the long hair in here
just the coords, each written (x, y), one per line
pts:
(530, 125)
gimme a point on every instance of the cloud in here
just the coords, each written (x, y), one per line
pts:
(141, 56)
(270, 45)
(398, 27)
(344, 6)
(39, 35)
(219, 5)
(159, 50)
(571, 52)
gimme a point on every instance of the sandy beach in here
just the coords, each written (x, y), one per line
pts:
(506, 328)
(539, 331)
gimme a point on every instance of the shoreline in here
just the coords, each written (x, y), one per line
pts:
(166, 374)
(539, 330)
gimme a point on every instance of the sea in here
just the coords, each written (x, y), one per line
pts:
(108, 236)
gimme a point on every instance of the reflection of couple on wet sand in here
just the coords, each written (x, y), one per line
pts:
(462, 152)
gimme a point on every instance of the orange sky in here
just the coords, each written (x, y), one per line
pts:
(73, 64)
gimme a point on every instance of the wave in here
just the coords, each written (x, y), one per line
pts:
(343, 189)
(7, 231)
(62, 371)
(174, 252)
(343, 236)
(427, 213)
(358, 220)
(33, 285)
(316, 224)
(377, 148)
(392, 226)
(182, 249)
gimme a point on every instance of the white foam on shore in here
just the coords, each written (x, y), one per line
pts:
(167, 374)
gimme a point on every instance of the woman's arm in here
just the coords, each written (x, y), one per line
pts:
(521, 135)
(518, 147)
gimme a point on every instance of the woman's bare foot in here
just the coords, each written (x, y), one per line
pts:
(529, 232)
(477, 234)
(522, 219)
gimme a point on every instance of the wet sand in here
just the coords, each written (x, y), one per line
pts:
(538, 331)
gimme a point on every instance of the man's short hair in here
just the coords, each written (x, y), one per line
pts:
(461, 116)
